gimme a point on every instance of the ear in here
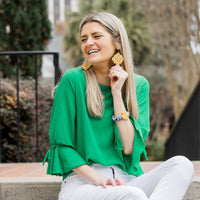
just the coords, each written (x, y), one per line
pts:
(119, 39)
(118, 43)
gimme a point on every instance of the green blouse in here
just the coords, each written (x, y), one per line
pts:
(77, 138)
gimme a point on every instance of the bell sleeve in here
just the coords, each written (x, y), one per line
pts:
(142, 128)
(62, 156)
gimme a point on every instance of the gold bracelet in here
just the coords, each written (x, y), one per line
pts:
(125, 115)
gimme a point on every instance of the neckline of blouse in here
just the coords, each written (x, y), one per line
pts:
(105, 88)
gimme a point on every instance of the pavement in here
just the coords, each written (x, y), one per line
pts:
(37, 170)
(29, 181)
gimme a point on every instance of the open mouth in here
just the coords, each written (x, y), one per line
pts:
(93, 52)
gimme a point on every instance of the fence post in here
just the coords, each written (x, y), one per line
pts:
(36, 107)
(57, 69)
(18, 113)
(0, 128)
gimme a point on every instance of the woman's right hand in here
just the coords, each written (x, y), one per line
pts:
(103, 181)
(96, 178)
(109, 181)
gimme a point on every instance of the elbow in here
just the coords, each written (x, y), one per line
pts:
(128, 151)
(128, 148)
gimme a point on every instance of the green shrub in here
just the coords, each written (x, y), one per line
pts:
(27, 130)
(24, 26)
(155, 150)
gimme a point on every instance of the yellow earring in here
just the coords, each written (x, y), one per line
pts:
(86, 65)
(118, 59)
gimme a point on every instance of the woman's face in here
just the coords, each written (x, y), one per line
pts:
(97, 44)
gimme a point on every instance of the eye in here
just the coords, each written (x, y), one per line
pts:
(83, 40)
(97, 36)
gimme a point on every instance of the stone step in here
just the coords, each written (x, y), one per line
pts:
(29, 188)
(48, 189)
(28, 181)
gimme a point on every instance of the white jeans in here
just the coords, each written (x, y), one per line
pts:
(169, 181)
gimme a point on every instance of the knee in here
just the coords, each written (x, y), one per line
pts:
(184, 166)
(130, 193)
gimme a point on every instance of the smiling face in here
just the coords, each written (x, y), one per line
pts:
(97, 44)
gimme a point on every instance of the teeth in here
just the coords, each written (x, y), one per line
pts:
(93, 51)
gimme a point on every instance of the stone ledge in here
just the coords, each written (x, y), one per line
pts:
(22, 181)
(48, 189)
(53, 179)
(29, 191)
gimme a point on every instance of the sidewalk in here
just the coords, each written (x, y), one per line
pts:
(37, 170)
(29, 181)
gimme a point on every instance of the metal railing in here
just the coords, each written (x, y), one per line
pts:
(57, 73)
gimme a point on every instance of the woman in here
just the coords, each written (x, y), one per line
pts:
(99, 123)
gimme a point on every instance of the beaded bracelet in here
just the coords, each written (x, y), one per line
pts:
(124, 116)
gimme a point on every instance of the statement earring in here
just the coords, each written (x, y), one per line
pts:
(86, 65)
(118, 59)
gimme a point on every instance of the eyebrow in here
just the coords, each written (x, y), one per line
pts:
(92, 34)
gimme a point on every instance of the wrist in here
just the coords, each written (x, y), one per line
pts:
(117, 94)
(98, 179)
(89, 173)
(124, 116)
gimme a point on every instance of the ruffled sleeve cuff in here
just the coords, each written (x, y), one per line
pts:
(62, 159)
(132, 161)
(139, 141)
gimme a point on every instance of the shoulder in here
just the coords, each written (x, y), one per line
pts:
(73, 73)
(73, 76)
(141, 81)
(142, 87)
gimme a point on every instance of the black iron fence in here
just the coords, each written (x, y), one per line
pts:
(57, 74)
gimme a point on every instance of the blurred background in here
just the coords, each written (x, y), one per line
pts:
(165, 39)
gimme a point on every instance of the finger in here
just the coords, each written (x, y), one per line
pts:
(117, 70)
(121, 71)
(104, 185)
(114, 77)
(113, 182)
(115, 67)
(120, 182)
(118, 75)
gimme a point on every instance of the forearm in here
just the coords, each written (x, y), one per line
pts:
(96, 178)
(125, 127)
(88, 173)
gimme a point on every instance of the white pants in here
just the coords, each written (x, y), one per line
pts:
(169, 181)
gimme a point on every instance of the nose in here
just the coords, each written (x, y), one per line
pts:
(90, 41)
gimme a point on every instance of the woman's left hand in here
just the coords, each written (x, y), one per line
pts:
(118, 76)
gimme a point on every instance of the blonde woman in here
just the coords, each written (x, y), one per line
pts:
(100, 121)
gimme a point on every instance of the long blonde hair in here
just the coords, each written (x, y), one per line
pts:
(117, 30)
